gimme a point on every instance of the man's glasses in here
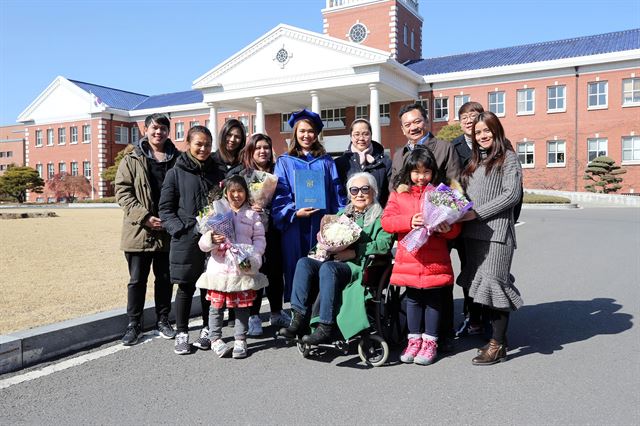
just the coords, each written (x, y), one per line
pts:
(364, 189)
(469, 117)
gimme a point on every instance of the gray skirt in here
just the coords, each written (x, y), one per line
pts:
(487, 274)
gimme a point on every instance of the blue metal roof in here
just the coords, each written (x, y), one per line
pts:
(115, 98)
(530, 53)
(170, 99)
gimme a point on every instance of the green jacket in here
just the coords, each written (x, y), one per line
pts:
(352, 317)
(133, 193)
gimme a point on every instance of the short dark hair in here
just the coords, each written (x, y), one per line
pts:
(410, 107)
(199, 129)
(470, 106)
(360, 120)
(158, 119)
(419, 156)
(231, 157)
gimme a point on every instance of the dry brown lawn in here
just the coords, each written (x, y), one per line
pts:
(57, 268)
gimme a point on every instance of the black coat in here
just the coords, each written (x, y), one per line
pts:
(349, 163)
(463, 150)
(184, 195)
(226, 169)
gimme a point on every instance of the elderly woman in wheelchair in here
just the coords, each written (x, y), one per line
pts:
(337, 281)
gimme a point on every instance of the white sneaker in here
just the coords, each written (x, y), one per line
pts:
(280, 320)
(220, 348)
(239, 349)
(255, 326)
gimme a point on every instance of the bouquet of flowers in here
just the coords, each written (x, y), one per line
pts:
(336, 234)
(440, 205)
(262, 186)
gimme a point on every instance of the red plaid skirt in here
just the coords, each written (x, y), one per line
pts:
(235, 299)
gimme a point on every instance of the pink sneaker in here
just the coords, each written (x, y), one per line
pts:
(427, 353)
(412, 350)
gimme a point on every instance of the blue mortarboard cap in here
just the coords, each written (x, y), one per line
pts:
(305, 113)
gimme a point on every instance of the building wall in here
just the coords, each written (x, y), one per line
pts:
(11, 146)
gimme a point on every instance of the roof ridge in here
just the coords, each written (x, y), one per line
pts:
(106, 87)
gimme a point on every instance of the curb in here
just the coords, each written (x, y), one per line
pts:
(26, 348)
(549, 206)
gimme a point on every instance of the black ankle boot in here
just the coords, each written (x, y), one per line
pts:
(298, 326)
(322, 334)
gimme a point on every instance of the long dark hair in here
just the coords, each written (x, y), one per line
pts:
(420, 156)
(246, 156)
(231, 158)
(296, 150)
(495, 154)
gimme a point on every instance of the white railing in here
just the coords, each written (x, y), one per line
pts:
(412, 4)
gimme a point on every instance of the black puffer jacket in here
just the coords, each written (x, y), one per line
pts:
(184, 194)
(349, 164)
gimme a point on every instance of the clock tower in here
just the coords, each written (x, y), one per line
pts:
(391, 25)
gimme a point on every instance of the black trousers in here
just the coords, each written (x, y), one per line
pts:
(184, 297)
(140, 264)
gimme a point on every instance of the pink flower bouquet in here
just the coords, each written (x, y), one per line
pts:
(439, 205)
(336, 234)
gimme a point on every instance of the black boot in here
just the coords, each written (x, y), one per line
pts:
(298, 326)
(322, 334)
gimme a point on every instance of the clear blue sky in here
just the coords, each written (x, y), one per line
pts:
(161, 46)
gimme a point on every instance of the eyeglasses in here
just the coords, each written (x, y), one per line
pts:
(468, 117)
(364, 189)
(363, 134)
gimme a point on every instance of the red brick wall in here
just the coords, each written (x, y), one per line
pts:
(11, 146)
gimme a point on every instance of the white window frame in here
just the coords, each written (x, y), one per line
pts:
(74, 168)
(526, 101)
(555, 97)
(413, 40)
(284, 123)
(458, 101)
(86, 169)
(425, 105)
(556, 152)
(441, 109)
(179, 131)
(528, 149)
(51, 170)
(601, 148)
(497, 103)
(50, 137)
(194, 123)
(39, 170)
(38, 138)
(602, 89)
(9, 154)
(406, 35)
(631, 147)
(62, 167)
(121, 135)
(244, 119)
(62, 135)
(86, 133)
(633, 94)
(334, 118)
(74, 134)
(385, 114)
(362, 111)
(135, 135)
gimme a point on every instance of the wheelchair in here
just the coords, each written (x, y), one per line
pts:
(385, 311)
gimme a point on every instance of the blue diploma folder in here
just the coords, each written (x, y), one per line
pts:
(309, 189)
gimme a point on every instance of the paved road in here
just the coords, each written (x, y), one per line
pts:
(573, 360)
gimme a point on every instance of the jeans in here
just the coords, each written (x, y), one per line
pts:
(241, 324)
(326, 278)
(140, 264)
(424, 307)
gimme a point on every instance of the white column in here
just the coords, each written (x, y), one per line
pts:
(213, 124)
(374, 112)
(259, 116)
(315, 102)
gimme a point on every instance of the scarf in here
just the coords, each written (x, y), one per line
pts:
(365, 156)
(371, 213)
(199, 163)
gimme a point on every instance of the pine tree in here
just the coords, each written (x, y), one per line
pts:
(604, 175)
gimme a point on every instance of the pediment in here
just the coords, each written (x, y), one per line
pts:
(285, 52)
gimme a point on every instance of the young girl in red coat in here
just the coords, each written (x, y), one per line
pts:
(427, 274)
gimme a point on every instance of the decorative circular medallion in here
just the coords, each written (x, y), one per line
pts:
(358, 33)
(282, 55)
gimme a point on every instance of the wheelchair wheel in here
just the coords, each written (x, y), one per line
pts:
(304, 349)
(373, 350)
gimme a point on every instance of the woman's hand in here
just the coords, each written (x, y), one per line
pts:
(257, 209)
(444, 227)
(217, 239)
(306, 212)
(417, 221)
(470, 215)
(346, 254)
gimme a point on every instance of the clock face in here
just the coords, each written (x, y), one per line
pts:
(282, 55)
(358, 33)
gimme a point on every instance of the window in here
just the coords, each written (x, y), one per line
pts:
(406, 35)
(525, 153)
(496, 103)
(1, 154)
(193, 123)
(245, 122)
(555, 153)
(362, 111)
(596, 147)
(598, 94)
(206, 124)
(458, 101)
(62, 168)
(631, 148)
(86, 134)
(135, 134)
(631, 91)
(39, 199)
(74, 134)
(284, 123)
(526, 101)
(385, 116)
(62, 136)
(49, 137)
(74, 168)
(38, 137)
(441, 109)
(358, 33)
(121, 135)
(425, 105)
(86, 169)
(39, 170)
(50, 171)
(179, 131)
(9, 154)
(3, 167)
(413, 40)
(556, 98)
(333, 118)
